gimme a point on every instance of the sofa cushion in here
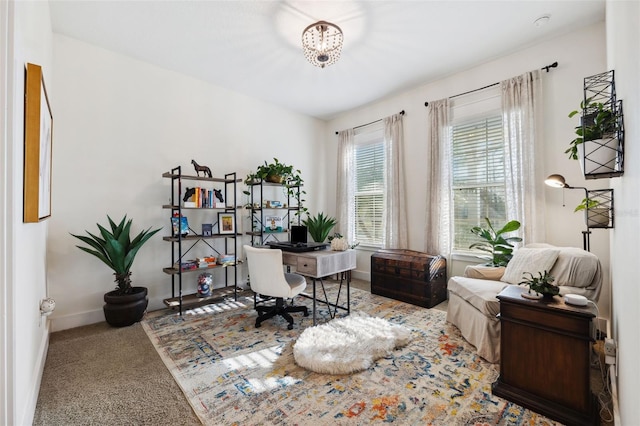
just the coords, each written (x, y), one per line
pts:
(481, 294)
(484, 272)
(531, 260)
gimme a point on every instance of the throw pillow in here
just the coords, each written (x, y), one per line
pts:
(532, 260)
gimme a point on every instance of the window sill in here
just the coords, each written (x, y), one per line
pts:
(467, 257)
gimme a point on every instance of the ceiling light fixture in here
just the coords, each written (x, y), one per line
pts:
(322, 43)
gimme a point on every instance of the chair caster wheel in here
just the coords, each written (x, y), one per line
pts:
(258, 325)
(290, 326)
(306, 314)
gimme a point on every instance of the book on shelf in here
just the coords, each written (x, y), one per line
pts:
(226, 259)
(273, 223)
(179, 225)
(207, 229)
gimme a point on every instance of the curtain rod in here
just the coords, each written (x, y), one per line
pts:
(546, 68)
(375, 121)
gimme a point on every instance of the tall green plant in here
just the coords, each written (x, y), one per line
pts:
(319, 226)
(116, 249)
(499, 247)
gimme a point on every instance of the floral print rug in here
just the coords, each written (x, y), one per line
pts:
(235, 374)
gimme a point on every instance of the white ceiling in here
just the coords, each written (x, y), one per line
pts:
(254, 47)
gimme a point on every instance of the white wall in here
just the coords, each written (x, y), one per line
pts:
(120, 123)
(623, 56)
(24, 285)
(579, 54)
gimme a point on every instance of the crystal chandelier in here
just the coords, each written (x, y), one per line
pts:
(322, 43)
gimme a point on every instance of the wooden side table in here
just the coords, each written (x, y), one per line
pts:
(545, 352)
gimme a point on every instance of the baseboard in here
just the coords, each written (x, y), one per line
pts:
(614, 395)
(76, 320)
(34, 392)
(361, 275)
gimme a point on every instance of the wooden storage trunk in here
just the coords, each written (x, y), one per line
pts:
(410, 276)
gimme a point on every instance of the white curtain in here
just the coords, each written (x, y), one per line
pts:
(521, 101)
(395, 214)
(438, 237)
(345, 185)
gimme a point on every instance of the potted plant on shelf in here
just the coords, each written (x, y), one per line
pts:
(275, 172)
(319, 226)
(499, 247)
(596, 135)
(126, 304)
(279, 173)
(540, 286)
(595, 217)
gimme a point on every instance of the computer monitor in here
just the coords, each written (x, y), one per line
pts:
(298, 234)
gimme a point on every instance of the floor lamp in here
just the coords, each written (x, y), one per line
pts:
(557, 181)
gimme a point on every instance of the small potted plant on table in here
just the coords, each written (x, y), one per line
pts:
(540, 286)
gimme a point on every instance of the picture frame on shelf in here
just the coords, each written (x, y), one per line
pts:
(38, 143)
(226, 223)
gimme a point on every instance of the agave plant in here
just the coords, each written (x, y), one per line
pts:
(319, 226)
(116, 249)
(494, 243)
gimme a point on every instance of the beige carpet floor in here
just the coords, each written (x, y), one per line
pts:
(100, 375)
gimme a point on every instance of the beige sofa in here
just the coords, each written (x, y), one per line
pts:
(473, 305)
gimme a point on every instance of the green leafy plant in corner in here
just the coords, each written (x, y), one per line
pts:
(319, 226)
(598, 120)
(116, 249)
(498, 246)
(542, 284)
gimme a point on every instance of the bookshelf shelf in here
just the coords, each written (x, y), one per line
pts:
(217, 244)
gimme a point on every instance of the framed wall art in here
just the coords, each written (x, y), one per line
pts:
(38, 143)
(226, 223)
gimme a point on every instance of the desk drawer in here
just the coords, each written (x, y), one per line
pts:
(289, 259)
(307, 265)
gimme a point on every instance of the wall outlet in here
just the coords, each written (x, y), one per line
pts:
(610, 347)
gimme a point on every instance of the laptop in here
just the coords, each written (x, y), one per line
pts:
(297, 242)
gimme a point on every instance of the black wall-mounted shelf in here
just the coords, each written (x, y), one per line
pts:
(602, 157)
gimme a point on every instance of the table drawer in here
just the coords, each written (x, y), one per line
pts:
(307, 265)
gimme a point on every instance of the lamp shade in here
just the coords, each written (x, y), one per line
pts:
(556, 181)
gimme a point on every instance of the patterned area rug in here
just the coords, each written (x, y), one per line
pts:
(235, 374)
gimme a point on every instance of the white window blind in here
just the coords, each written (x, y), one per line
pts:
(478, 177)
(369, 191)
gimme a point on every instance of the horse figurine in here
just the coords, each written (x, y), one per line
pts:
(218, 194)
(204, 169)
(189, 192)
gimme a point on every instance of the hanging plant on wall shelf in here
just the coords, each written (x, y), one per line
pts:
(597, 121)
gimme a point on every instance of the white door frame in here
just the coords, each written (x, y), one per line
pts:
(7, 360)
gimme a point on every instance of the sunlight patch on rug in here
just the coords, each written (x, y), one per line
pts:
(235, 374)
(346, 345)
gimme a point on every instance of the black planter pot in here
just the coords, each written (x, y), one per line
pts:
(126, 309)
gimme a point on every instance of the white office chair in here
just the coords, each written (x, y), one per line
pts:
(268, 278)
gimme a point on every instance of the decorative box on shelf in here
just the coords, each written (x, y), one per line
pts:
(409, 276)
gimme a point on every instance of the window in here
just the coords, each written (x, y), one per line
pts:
(478, 176)
(369, 157)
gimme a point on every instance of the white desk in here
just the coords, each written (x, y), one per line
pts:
(323, 263)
